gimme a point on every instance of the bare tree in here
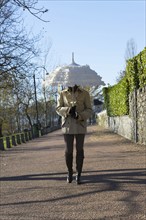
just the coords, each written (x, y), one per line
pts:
(16, 64)
(30, 6)
(131, 49)
(17, 50)
(130, 52)
(121, 75)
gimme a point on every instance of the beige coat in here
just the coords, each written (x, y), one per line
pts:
(81, 99)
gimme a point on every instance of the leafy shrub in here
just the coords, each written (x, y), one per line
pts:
(116, 98)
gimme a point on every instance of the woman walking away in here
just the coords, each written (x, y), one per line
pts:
(74, 106)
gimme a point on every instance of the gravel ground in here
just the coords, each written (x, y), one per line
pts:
(33, 180)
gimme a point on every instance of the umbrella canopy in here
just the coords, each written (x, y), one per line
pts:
(74, 74)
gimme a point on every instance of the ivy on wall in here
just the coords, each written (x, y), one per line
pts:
(136, 71)
(116, 97)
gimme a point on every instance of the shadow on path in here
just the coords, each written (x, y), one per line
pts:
(118, 176)
(96, 181)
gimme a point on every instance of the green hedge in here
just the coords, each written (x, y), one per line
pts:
(116, 97)
(136, 71)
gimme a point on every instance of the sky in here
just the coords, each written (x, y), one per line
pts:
(96, 31)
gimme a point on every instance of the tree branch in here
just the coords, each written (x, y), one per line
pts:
(32, 9)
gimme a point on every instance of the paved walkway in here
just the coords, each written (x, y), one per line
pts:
(33, 180)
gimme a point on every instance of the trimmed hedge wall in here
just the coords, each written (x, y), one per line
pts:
(116, 97)
(136, 71)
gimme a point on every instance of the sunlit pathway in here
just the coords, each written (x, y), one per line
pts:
(33, 180)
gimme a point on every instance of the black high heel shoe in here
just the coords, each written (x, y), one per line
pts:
(78, 179)
(69, 178)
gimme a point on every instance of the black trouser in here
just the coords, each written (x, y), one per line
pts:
(69, 140)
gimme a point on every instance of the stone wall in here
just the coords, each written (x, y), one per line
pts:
(141, 115)
(137, 107)
(132, 126)
(122, 125)
(102, 119)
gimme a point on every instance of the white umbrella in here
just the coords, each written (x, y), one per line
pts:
(74, 74)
